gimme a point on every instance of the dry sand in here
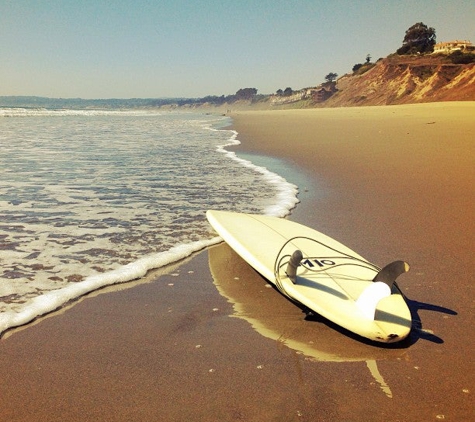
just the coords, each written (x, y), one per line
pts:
(390, 182)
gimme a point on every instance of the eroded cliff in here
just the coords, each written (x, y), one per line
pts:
(404, 80)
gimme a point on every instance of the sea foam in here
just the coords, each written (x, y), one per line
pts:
(286, 193)
(92, 198)
(54, 299)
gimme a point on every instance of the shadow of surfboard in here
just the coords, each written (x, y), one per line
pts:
(418, 332)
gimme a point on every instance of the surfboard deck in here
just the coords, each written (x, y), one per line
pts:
(331, 279)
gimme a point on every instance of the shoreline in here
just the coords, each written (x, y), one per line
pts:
(390, 182)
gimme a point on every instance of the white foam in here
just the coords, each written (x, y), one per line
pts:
(286, 193)
(74, 201)
(32, 112)
(54, 299)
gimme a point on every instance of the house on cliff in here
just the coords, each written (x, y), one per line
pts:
(451, 46)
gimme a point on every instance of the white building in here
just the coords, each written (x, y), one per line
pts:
(451, 46)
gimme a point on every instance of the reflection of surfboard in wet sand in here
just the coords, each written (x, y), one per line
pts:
(257, 304)
(320, 273)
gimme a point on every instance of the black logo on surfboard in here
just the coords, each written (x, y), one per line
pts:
(311, 262)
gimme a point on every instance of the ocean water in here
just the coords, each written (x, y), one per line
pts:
(90, 198)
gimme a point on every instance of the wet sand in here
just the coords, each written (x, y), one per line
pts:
(390, 182)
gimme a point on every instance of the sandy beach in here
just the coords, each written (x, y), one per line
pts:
(209, 340)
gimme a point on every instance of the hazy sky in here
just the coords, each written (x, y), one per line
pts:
(192, 48)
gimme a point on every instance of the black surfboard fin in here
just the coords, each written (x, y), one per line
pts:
(293, 264)
(391, 272)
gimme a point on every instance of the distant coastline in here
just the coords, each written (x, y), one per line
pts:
(389, 81)
(80, 103)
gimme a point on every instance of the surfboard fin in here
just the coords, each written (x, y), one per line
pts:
(391, 272)
(293, 264)
(371, 296)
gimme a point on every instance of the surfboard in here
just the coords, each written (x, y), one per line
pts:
(320, 273)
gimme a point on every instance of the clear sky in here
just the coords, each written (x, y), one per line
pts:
(194, 48)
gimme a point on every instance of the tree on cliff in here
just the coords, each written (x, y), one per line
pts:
(419, 38)
(246, 93)
(288, 91)
(331, 77)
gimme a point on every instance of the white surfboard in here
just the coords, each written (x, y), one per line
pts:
(320, 273)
